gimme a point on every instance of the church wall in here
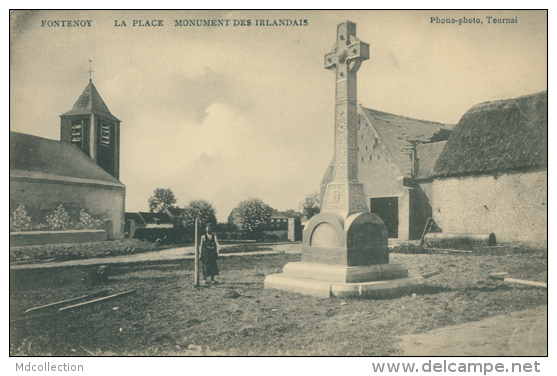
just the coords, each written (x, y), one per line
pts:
(103, 202)
(513, 205)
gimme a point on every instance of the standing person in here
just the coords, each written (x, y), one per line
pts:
(209, 254)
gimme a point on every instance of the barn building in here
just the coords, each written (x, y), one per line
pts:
(486, 174)
(492, 174)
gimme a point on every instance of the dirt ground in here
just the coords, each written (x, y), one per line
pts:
(522, 333)
(167, 316)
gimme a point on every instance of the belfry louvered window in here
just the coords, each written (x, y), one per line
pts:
(105, 134)
(77, 131)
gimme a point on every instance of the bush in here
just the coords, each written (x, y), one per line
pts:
(19, 220)
(59, 220)
(42, 219)
(201, 209)
(86, 221)
(271, 238)
(251, 216)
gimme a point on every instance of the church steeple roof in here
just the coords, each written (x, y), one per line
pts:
(90, 102)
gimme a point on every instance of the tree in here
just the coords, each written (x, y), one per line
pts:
(311, 205)
(198, 208)
(251, 216)
(161, 199)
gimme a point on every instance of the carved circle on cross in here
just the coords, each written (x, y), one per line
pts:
(342, 54)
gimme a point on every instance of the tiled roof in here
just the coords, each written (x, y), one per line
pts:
(175, 212)
(150, 218)
(400, 134)
(276, 214)
(90, 102)
(38, 157)
(426, 155)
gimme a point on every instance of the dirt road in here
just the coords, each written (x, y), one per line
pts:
(522, 333)
(156, 256)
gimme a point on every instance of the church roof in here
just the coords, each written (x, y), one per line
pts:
(400, 134)
(427, 155)
(90, 102)
(505, 134)
(41, 158)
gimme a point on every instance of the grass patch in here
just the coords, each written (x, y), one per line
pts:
(77, 251)
(409, 249)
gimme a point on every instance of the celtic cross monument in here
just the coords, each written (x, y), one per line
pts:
(345, 195)
(345, 248)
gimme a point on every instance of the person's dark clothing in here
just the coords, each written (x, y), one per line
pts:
(209, 256)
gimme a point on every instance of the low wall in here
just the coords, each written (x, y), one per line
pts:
(56, 237)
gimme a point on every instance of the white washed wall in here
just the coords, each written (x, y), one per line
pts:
(511, 205)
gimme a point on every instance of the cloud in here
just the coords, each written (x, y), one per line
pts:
(193, 95)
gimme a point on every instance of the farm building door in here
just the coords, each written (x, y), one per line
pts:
(387, 209)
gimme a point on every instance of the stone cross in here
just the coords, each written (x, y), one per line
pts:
(344, 195)
(345, 250)
(345, 59)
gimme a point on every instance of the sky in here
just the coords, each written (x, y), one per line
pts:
(224, 113)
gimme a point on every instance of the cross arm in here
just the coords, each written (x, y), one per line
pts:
(330, 60)
(358, 50)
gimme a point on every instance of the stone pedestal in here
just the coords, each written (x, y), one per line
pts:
(345, 258)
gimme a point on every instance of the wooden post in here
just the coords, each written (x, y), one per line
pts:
(196, 282)
(426, 229)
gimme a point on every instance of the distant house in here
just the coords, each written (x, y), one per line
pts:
(386, 144)
(486, 174)
(150, 220)
(492, 173)
(135, 217)
(151, 226)
(278, 225)
(175, 213)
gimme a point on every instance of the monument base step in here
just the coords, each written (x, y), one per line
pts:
(327, 289)
(346, 274)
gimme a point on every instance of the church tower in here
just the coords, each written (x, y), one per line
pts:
(92, 128)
